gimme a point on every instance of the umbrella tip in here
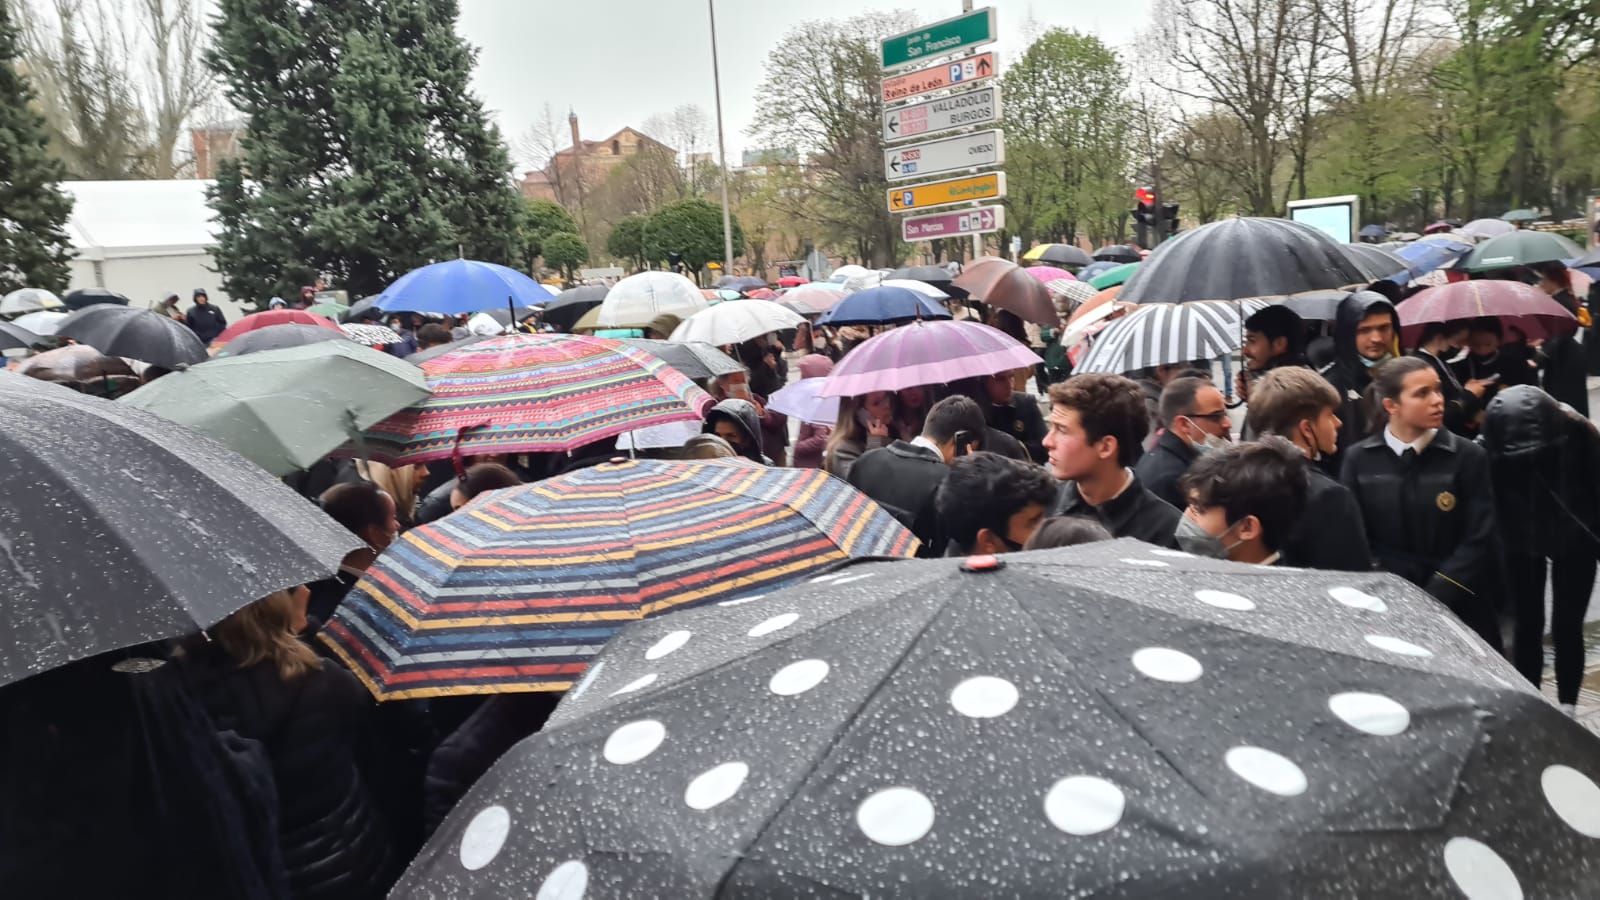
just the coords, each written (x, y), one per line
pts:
(617, 460)
(982, 563)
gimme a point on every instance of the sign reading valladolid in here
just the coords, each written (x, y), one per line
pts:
(963, 32)
(964, 151)
(978, 220)
(965, 110)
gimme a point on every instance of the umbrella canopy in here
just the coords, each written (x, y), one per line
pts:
(1373, 232)
(1093, 315)
(1096, 267)
(637, 299)
(762, 294)
(286, 409)
(517, 591)
(27, 300)
(139, 334)
(1117, 253)
(1517, 305)
(86, 297)
(1006, 285)
(73, 364)
(736, 322)
(570, 305)
(846, 272)
(121, 528)
(695, 359)
(1483, 229)
(926, 353)
(1422, 257)
(361, 311)
(332, 311)
(15, 337)
(1089, 722)
(812, 300)
(1588, 260)
(938, 276)
(1377, 262)
(792, 281)
(740, 283)
(1440, 227)
(1319, 306)
(932, 292)
(1519, 248)
(460, 286)
(42, 323)
(882, 306)
(1058, 254)
(279, 337)
(422, 356)
(534, 393)
(803, 400)
(1165, 334)
(1073, 292)
(1520, 215)
(1046, 274)
(865, 280)
(1236, 259)
(275, 317)
(1114, 277)
(372, 335)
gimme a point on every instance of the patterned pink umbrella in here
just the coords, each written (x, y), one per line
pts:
(1047, 274)
(926, 352)
(1516, 305)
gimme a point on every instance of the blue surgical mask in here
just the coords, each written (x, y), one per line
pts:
(1192, 538)
(1371, 363)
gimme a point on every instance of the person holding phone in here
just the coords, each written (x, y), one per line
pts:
(1463, 403)
(864, 423)
(904, 476)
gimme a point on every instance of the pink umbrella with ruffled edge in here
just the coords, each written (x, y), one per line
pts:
(926, 352)
(1047, 274)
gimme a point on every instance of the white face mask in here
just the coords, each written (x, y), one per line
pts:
(1211, 444)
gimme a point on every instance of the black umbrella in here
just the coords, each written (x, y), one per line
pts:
(696, 359)
(1120, 253)
(1237, 259)
(120, 527)
(569, 306)
(1319, 306)
(1588, 260)
(1378, 262)
(504, 315)
(1104, 721)
(361, 311)
(84, 297)
(1059, 255)
(279, 337)
(139, 334)
(1374, 232)
(15, 337)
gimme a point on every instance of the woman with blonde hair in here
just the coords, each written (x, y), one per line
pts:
(400, 484)
(256, 678)
(865, 423)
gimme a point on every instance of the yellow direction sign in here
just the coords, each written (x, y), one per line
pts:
(990, 186)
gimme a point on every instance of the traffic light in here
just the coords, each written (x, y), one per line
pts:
(1145, 212)
(1169, 216)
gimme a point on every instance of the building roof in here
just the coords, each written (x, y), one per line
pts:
(604, 146)
(122, 218)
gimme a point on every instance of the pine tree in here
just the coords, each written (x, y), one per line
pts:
(34, 250)
(366, 155)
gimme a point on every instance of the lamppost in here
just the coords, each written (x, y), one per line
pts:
(1422, 213)
(722, 149)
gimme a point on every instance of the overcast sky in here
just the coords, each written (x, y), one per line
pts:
(533, 52)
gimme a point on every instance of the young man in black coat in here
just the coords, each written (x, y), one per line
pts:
(1243, 501)
(1194, 419)
(1097, 427)
(905, 476)
(1015, 413)
(1297, 405)
(1364, 331)
(205, 320)
(1273, 338)
(989, 504)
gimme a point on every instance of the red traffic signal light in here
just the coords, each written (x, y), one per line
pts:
(1145, 196)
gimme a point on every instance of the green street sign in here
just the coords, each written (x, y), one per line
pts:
(960, 33)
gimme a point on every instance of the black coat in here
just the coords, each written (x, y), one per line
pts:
(463, 757)
(316, 731)
(1545, 461)
(1564, 372)
(1160, 469)
(206, 322)
(903, 478)
(1330, 533)
(1022, 420)
(1134, 513)
(1511, 366)
(326, 596)
(1349, 373)
(1430, 519)
(1461, 408)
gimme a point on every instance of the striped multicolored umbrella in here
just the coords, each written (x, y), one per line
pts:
(534, 393)
(1165, 334)
(518, 590)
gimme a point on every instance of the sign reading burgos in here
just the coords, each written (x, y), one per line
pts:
(956, 73)
(951, 154)
(963, 32)
(966, 110)
(978, 220)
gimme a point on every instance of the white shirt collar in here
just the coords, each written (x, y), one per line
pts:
(1126, 483)
(1270, 560)
(1399, 447)
(920, 441)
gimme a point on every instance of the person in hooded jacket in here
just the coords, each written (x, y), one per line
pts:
(1545, 461)
(204, 319)
(1426, 497)
(812, 440)
(1564, 372)
(739, 423)
(1364, 330)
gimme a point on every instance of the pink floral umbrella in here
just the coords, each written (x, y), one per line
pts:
(926, 352)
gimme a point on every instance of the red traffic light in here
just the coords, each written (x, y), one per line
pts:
(1145, 196)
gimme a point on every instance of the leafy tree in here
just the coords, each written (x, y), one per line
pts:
(692, 228)
(626, 241)
(34, 251)
(540, 219)
(565, 251)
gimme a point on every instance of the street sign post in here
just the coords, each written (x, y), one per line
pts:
(978, 220)
(952, 154)
(989, 186)
(965, 110)
(955, 73)
(963, 32)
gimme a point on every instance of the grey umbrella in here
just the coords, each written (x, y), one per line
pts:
(15, 337)
(1108, 721)
(1237, 259)
(696, 359)
(279, 337)
(1378, 262)
(1118, 253)
(140, 334)
(118, 527)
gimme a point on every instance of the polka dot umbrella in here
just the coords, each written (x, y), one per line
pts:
(1103, 721)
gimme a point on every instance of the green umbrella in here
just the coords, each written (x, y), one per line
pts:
(330, 310)
(1519, 248)
(285, 409)
(1114, 277)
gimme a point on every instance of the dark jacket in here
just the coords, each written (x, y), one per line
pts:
(1022, 420)
(1330, 533)
(1134, 513)
(903, 478)
(1461, 408)
(316, 731)
(206, 321)
(743, 415)
(1511, 366)
(1349, 373)
(463, 757)
(1545, 461)
(1564, 371)
(1160, 469)
(1430, 519)
(325, 597)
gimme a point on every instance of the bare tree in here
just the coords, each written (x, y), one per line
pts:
(540, 144)
(178, 83)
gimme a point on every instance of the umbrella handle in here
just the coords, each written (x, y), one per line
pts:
(455, 452)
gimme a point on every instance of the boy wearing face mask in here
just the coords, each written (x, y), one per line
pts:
(1194, 419)
(1244, 500)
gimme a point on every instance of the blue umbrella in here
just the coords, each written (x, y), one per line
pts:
(883, 306)
(1374, 232)
(462, 286)
(1422, 257)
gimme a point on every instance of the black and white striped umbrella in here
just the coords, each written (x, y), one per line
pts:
(1164, 334)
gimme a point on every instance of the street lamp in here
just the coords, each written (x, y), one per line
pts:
(1422, 214)
(722, 148)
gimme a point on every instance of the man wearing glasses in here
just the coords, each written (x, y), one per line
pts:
(1194, 419)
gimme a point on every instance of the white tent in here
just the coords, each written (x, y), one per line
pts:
(145, 239)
